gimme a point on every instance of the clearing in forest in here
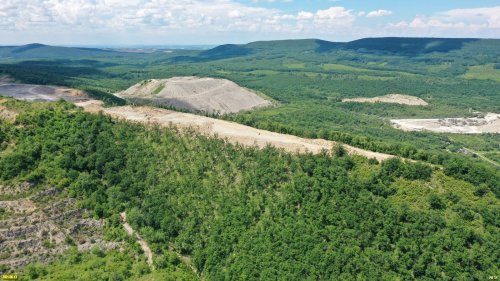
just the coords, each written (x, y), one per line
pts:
(196, 94)
(488, 124)
(38, 226)
(392, 98)
(31, 92)
(232, 132)
(483, 72)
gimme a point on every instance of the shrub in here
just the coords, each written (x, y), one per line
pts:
(339, 150)
(436, 202)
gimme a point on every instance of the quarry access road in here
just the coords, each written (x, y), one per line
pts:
(232, 132)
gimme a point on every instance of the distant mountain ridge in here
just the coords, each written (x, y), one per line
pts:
(387, 45)
(401, 46)
(395, 45)
(37, 50)
(409, 45)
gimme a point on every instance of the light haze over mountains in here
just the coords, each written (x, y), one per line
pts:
(213, 22)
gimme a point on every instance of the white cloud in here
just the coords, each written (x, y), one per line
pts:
(235, 14)
(208, 21)
(304, 15)
(335, 13)
(126, 14)
(482, 16)
(192, 15)
(330, 16)
(272, 1)
(457, 23)
(379, 13)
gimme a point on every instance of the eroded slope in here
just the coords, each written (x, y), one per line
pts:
(232, 132)
(392, 98)
(197, 94)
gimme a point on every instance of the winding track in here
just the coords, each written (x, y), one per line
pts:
(144, 245)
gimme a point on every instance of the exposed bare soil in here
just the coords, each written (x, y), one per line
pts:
(392, 98)
(7, 114)
(19, 206)
(232, 132)
(489, 124)
(36, 228)
(5, 79)
(198, 94)
(144, 245)
(31, 92)
(15, 189)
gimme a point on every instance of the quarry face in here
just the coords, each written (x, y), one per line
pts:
(196, 94)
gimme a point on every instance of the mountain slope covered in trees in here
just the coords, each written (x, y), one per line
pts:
(245, 214)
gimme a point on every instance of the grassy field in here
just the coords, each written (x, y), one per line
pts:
(297, 65)
(483, 72)
(341, 67)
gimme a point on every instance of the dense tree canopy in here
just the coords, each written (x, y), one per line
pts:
(246, 214)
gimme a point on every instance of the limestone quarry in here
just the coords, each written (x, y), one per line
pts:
(196, 94)
(31, 92)
(392, 98)
(232, 132)
(37, 225)
(476, 125)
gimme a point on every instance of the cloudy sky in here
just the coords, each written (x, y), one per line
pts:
(171, 22)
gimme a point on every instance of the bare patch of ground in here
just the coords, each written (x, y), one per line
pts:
(15, 189)
(233, 132)
(31, 92)
(489, 124)
(19, 206)
(7, 114)
(144, 245)
(197, 94)
(392, 98)
(5, 79)
(92, 106)
(39, 227)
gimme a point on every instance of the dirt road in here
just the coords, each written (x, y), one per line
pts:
(481, 156)
(232, 132)
(144, 245)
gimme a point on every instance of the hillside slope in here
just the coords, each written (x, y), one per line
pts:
(196, 94)
(231, 132)
(34, 51)
(246, 214)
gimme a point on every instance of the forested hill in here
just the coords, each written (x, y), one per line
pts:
(388, 45)
(239, 213)
(396, 46)
(33, 51)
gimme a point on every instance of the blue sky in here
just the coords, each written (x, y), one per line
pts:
(170, 22)
(405, 8)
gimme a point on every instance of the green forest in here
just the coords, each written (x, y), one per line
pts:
(212, 210)
(245, 214)
(307, 79)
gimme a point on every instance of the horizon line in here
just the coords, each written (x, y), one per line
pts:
(208, 45)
